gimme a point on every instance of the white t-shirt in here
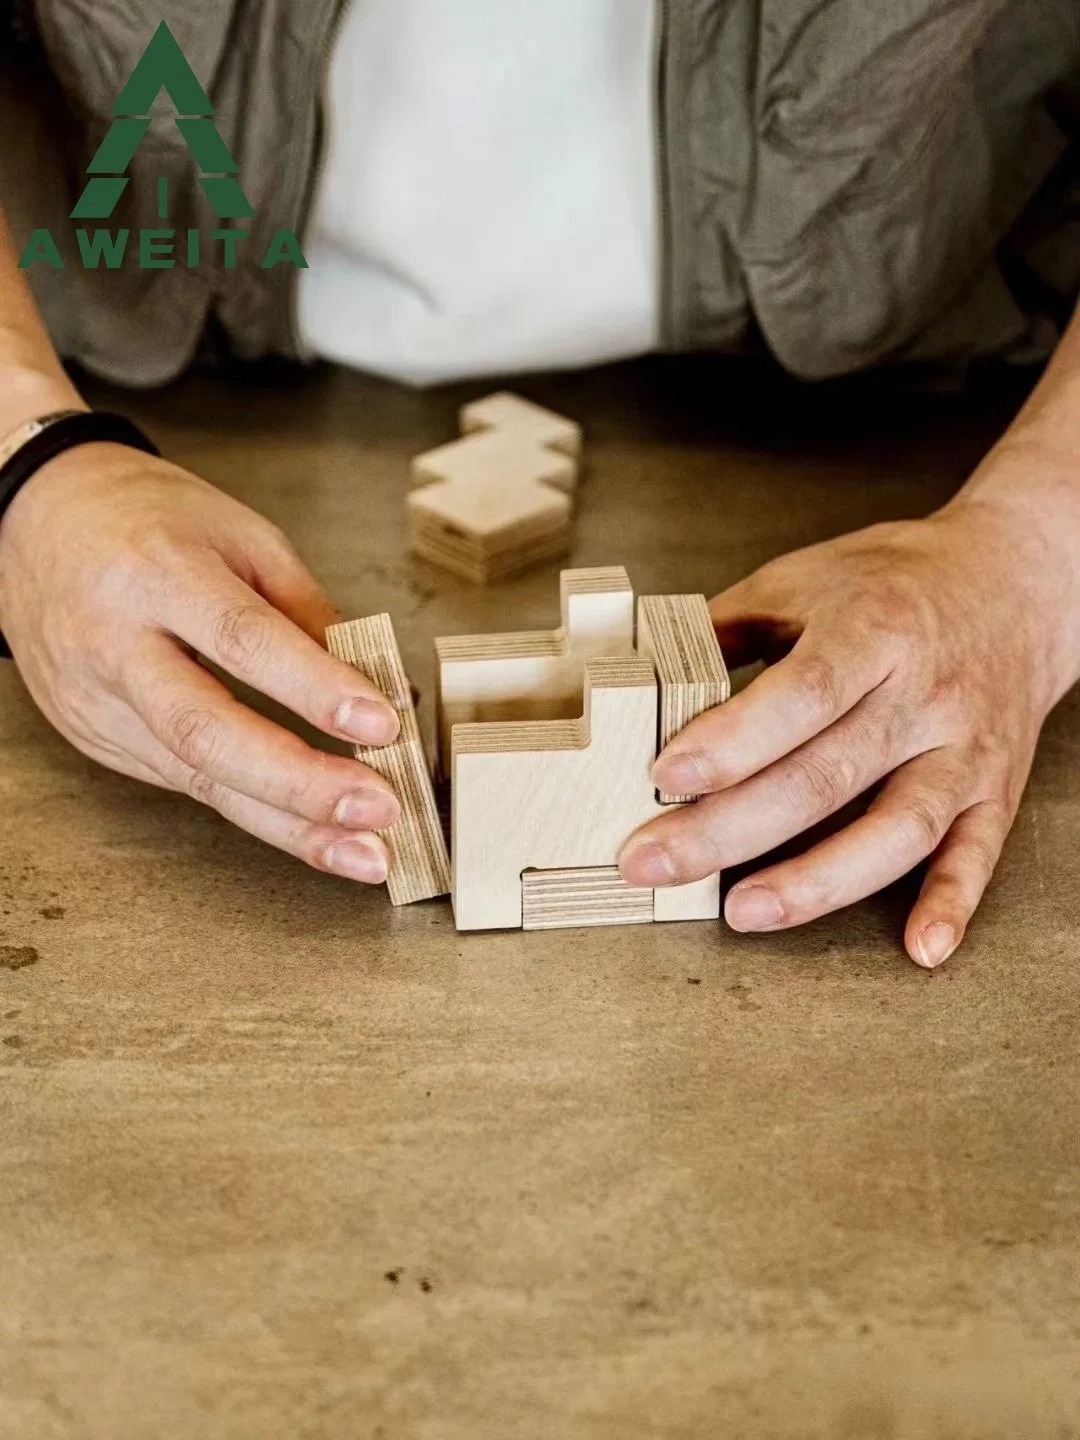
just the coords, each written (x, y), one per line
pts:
(488, 197)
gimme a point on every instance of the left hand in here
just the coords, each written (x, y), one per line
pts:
(923, 654)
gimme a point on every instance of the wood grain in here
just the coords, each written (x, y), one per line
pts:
(677, 632)
(538, 674)
(568, 899)
(419, 863)
(500, 499)
(552, 794)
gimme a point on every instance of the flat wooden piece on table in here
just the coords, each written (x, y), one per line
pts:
(498, 500)
(676, 631)
(507, 412)
(564, 899)
(419, 864)
(534, 675)
(553, 794)
(431, 539)
(493, 461)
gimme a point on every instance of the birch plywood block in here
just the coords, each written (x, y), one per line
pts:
(510, 413)
(698, 901)
(676, 631)
(419, 863)
(563, 899)
(499, 500)
(534, 675)
(551, 795)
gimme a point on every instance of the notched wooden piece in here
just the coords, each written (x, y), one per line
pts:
(676, 631)
(538, 674)
(551, 794)
(419, 863)
(500, 499)
(510, 413)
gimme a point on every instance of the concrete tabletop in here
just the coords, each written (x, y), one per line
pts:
(279, 1161)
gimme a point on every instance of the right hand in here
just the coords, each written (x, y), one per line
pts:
(117, 573)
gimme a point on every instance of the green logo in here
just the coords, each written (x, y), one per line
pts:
(162, 66)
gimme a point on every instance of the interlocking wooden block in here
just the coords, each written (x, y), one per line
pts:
(550, 737)
(676, 631)
(500, 499)
(510, 413)
(551, 794)
(419, 863)
(534, 675)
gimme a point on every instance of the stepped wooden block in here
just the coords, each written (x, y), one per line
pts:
(549, 738)
(534, 675)
(419, 863)
(510, 413)
(551, 794)
(565, 899)
(500, 499)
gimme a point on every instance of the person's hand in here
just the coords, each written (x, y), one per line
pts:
(117, 572)
(922, 654)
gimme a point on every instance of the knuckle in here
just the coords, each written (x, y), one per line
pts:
(313, 847)
(925, 819)
(193, 733)
(278, 543)
(159, 548)
(312, 790)
(901, 612)
(990, 757)
(981, 859)
(816, 784)
(819, 685)
(200, 787)
(241, 636)
(131, 570)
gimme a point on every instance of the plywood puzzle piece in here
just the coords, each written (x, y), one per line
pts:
(549, 738)
(551, 794)
(676, 632)
(552, 736)
(419, 863)
(534, 675)
(500, 499)
(510, 413)
(565, 899)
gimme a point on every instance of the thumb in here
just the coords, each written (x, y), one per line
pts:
(751, 626)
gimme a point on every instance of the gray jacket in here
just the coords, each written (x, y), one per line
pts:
(849, 181)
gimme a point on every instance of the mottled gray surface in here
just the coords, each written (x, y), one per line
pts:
(281, 1162)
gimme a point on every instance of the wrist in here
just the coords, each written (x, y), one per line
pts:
(1021, 513)
(28, 394)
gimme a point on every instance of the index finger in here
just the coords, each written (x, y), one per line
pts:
(784, 707)
(230, 624)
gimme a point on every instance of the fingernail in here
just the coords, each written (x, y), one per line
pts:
(647, 864)
(357, 860)
(753, 908)
(371, 722)
(934, 946)
(679, 775)
(369, 809)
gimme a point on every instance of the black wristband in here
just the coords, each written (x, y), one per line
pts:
(52, 436)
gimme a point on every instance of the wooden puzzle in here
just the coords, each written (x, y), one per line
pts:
(547, 740)
(419, 864)
(501, 498)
